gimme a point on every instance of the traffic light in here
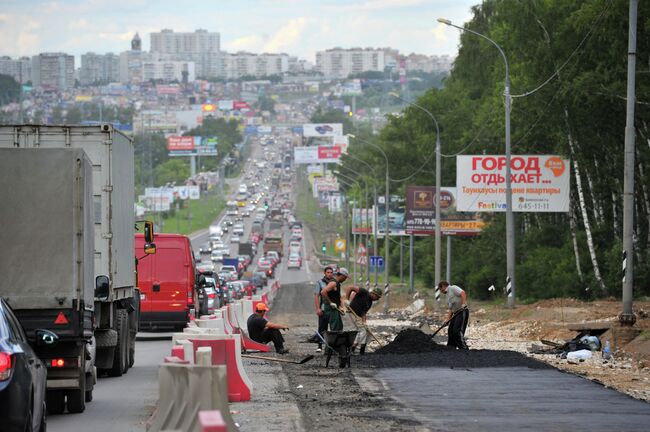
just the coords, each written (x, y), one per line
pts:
(323, 247)
(266, 205)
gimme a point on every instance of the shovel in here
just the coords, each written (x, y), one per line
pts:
(303, 361)
(446, 323)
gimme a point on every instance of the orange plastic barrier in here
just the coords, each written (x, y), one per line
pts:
(224, 353)
(249, 344)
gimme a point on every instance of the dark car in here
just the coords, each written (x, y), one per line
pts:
(23, 376)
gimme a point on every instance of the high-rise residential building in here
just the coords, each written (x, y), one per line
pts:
(168, 70)
(433, 63)
(339, 62)
(244, 63)
(53, 71)
(99, 68)
(201, 47)
(19, 69)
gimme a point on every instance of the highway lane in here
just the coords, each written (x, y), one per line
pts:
(124, 404)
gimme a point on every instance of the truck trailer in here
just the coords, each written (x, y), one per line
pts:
(117, 300)
(46, 263)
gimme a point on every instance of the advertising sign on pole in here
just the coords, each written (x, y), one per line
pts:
(305, 155)
(225, 105)
(361, 221)
(421, 213)
(396, 216)
(316, 154)
(322, 129)
(339, 245)
(540, 183)
(328, 154)
(180, 143)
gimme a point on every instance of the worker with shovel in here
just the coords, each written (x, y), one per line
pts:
(457, 315)
(332, 300)
(318, 303)
(359, 306)
(263, 331)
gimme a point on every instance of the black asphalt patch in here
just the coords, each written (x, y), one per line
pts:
(413, 348)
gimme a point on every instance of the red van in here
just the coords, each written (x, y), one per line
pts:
(167, 281)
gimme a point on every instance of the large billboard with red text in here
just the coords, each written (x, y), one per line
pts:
(539, 183)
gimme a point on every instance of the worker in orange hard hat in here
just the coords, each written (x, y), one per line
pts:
(263, 331)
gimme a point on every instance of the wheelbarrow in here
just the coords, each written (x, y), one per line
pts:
(340, 342)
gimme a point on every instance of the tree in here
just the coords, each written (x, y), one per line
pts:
(9, 90)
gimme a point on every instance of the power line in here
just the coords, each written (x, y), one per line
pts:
(575, 51)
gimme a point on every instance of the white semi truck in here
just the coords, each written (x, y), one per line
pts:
(114, 312)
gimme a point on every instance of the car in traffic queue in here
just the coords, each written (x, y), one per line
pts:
(294, 261)
(205, 248)
(267, 267)
(259, 279)
(274, 255)
(235, 238)
(217, 255)
(23, 376)
(229, 272)
(294, 246)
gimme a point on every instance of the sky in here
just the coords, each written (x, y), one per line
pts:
(296, 27)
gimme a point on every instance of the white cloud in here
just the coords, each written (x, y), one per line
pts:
(287, 36)
(246, 43)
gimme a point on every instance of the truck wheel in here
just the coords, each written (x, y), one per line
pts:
(77, 398)
(131, 350)
(55, 402)
(120, 360)
(89, 393)
(43, 426)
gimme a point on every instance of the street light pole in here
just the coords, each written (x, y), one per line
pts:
(387, 236)
(367, 212)
(510, 217)
(438, 233)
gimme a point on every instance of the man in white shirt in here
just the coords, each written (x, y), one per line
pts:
(458, 313)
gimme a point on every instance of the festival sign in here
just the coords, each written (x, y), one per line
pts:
(540, 183)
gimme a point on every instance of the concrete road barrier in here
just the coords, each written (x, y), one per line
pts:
(184, 391)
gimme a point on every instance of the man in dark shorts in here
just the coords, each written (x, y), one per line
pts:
(263, 331)
(360, 304)
(318, 303)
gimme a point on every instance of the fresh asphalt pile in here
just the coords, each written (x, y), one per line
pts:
(413, 348)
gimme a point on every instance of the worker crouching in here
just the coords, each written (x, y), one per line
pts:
(263, 331)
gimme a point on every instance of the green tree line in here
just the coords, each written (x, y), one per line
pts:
(579, 114)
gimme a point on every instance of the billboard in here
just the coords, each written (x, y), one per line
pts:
(352, 88)
(192, 146)
(322, 129)
(180, 143)
(225, 105)
(540, 183)
(316, 154)
(324, 184)
(329, 154)
(396, 209)
(421, 213)
(361, 221)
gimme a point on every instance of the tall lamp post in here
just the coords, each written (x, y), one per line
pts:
(365, 183)
(348, 155)
(510, 217)
(387, 238)
(438, 233)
